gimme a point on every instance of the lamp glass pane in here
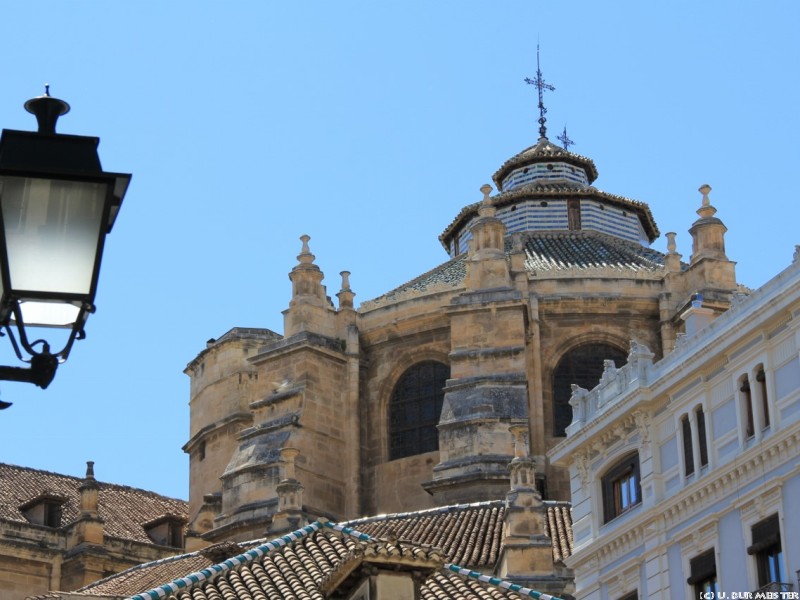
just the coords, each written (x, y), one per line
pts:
(48, 314)
(52, 230)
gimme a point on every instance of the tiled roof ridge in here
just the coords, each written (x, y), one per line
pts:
(427, 511)
(565, 503)
(103, 484)
(497, 582)
(353, 555)
(213, 571)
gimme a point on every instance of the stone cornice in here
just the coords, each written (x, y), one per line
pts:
(238, 417)
(330, 347)
(670, 512)
(598, 273)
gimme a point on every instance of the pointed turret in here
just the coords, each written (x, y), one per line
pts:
(710, 273)
(708, 232)
(486, 266)
(310, 308)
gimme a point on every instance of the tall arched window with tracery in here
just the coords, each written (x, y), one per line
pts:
(414, 409)
(583, 366)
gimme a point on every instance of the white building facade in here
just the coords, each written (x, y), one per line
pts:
(685, 473)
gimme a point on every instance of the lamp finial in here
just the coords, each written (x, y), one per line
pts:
(47, 110)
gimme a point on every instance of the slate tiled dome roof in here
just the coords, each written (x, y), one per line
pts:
(543, 150)
(472, 533)
(124, 510)
(551, 191)
(587, 250)
(547, 252)
(449, 275)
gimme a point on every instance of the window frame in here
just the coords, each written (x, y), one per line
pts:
(419, 435)
(702, 439)
(767, 550)
(703, 574)
(749, 424)
(761, 380)
(623, 475)
(688, 450)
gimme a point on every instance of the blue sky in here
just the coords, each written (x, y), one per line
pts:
(367, 126)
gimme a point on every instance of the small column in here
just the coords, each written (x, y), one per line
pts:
(345, 295)
(89, 490)
(88, 529)
(527, 551)
(290, 496)
(672, 261)
(346, 316)
(522, 466)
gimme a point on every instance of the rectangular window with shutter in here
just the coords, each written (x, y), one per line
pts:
(703, 578)
(767, 550)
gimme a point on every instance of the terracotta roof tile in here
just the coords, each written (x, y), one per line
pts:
(559, 529)
(469, 535)
(124, 509)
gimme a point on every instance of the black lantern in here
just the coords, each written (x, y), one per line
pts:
(56, 207)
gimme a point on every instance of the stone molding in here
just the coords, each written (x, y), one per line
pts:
(724, 482)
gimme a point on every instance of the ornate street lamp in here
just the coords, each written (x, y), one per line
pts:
(56, 207)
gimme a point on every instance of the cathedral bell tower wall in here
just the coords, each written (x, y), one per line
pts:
(304, 397)
(222, 382)
(487, 392)
(395, 340)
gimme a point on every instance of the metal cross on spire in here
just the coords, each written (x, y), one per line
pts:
(564, 139)
(540, 84)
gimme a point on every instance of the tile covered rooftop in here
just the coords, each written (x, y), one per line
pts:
(470, 535)
(125, 510)
(547, 252)
(587, 249)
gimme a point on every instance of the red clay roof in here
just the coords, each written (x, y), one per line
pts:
(468, 535)
(123, 509)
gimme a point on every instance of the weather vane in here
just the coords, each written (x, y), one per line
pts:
(540, 84)
(564, 139)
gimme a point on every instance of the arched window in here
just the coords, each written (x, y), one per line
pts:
(414, 409)
(582, 366)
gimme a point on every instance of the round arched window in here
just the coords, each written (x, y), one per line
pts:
(582, 366)
(414, 409)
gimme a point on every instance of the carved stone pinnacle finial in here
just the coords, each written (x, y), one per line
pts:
(705, 189)
(486, 189)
